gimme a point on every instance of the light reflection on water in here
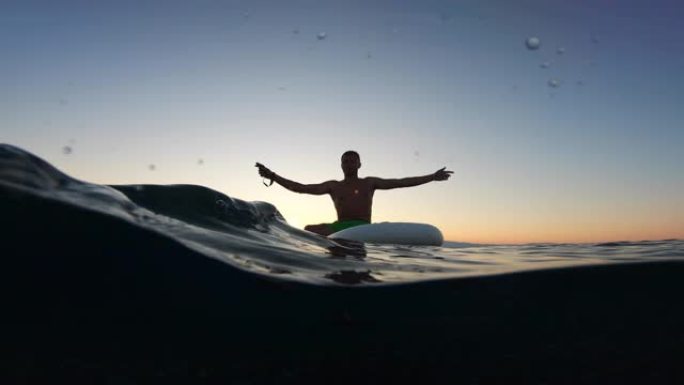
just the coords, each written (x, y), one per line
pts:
(355, 263)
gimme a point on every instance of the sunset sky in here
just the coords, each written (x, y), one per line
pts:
(581, 140)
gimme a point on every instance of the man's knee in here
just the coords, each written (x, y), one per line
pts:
(322, 229)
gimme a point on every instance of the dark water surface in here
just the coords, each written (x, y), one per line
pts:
(183, 284)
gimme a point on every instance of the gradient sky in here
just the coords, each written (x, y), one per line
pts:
(411, 85)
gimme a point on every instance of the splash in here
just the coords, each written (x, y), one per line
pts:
(532, 43)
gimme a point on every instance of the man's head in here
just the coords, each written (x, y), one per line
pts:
(351, 162)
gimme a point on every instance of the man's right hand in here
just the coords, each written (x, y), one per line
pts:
(265, 172)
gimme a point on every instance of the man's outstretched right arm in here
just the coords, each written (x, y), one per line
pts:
(315, 189)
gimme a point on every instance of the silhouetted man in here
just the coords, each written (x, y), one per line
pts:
(353, 196)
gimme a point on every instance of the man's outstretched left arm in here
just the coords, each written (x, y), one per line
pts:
(386, 184)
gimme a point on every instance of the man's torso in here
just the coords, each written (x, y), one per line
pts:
(353, 199)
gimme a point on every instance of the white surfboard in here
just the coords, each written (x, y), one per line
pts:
(398, 233)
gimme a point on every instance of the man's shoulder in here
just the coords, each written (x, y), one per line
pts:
(331, 184)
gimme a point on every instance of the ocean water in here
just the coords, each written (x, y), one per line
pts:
(184, 284)
(253, 237)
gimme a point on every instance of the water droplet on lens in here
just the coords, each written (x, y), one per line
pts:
(532, 43)
(560, 50)
(67, 150)
(321, 36)
(580, 83)
(200, 161)
(295, 31)
(545, 64)
(554, 83)
(152, 167)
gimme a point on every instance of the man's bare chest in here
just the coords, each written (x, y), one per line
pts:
(352, 192)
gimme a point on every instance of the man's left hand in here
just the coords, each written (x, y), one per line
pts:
(442, 174)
